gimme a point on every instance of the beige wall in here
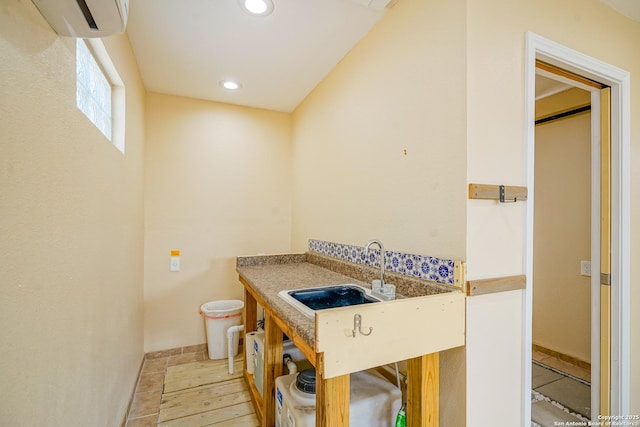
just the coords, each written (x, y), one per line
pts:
(561, 102)
(497, 154)
(72, 236)
(379, 145)
(217, 185)
(431, 99)
(562, 236)
(379, 149)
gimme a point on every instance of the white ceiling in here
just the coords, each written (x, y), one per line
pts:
(629, 8)
(185, 47)
(546, 87)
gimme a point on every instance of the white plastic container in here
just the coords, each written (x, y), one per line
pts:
(258, 362)
(249, 352)
(256, 358)
(220, 316)
(288, 347)
(374, 402)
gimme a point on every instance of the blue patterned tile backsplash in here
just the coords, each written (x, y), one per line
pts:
(421, 266)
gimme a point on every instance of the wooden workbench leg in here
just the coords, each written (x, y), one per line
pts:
(423, 391)
(250, 312)
(272, 369)
(332, 397)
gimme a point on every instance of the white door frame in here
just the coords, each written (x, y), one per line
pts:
(538, 47)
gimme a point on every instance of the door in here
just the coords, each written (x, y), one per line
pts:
(616, 305)
(601, 237)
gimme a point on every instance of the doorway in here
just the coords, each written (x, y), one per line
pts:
(561, 353)
(618, 263)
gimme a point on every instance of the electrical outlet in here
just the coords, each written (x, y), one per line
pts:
(585, 268)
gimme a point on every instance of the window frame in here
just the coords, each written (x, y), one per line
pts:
(101, 57)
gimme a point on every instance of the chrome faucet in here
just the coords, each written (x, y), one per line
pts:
(382, 257)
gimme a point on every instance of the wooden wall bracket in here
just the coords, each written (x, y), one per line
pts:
(494, 285)
(501, 193)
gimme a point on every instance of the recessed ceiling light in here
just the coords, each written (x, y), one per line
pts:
(230, 84)
(257, 7)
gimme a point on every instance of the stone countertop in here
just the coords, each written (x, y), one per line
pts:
(267, 279)
(269, 274)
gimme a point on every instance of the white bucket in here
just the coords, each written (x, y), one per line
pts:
(249, 352)
(373, 402)
(220, 316)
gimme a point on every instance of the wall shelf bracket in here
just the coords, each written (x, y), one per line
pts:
(501, 193)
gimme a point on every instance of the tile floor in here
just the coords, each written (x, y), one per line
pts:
(145, 405)
(563, 366)
(571, 391)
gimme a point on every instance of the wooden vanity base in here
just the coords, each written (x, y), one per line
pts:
(332, 394)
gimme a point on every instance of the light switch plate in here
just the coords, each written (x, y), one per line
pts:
(175, 263)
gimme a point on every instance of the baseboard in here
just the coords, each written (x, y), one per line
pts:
(564, 357)
(184, 350)
(133, 392)
(175, 351)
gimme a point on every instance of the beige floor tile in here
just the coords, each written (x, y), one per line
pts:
(148, 421)
(145, 404)
(150, 382)
(155, 365)
(539, 356)
(568, 368)
(163, 353)
(194, 348)
(541, 376)
(570, 393)
(546, 414)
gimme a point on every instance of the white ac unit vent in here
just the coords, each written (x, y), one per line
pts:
(85, 18)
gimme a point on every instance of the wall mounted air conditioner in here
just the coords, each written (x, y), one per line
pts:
(85, 18)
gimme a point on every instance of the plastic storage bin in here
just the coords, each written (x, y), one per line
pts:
(374, 401)
(220, 316)
(258, 362)
(249, 351)
(255, 357)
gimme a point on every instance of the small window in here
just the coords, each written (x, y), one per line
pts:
(99, 90)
